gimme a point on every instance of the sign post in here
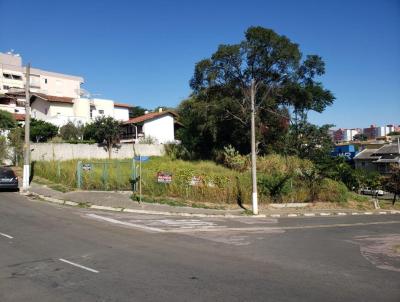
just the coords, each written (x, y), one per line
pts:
(140, 159)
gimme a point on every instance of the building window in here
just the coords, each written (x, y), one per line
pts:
(101, 112)
(16, 110)
(17, 77)
(6, 87)
(7, 75)
(46, 111)
(45, 81)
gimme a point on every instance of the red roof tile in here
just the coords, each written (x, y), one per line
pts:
(122, 105)
(54, 99)
(148, 116)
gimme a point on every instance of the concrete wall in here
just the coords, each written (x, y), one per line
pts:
(49, 151)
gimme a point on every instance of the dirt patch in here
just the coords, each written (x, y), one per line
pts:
(382, 251)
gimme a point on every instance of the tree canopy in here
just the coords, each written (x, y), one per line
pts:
(7, 120)
(218, 112)
(41, 131)
(136, 111)
(104, 130)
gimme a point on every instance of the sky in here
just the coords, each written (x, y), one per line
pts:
(144, 52)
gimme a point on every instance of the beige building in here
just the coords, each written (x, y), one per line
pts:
(56, 97)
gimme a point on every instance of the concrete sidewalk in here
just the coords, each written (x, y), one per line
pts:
(121, 201)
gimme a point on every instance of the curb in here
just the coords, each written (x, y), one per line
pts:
(149, 212)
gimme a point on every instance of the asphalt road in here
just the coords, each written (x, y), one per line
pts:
(56, 253)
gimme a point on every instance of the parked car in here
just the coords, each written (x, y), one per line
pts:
(370, 191)
(8, 179)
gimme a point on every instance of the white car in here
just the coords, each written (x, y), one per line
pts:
(369, 191)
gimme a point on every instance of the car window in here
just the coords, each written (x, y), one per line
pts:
(7, 173)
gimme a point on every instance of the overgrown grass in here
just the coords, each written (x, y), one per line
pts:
(217, 185)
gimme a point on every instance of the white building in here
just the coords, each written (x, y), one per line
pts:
(384, 130)
(158, 127)
(348, 134)
(56, 98)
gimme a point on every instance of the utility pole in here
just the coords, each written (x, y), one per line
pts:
(27, 147)
(254, 197)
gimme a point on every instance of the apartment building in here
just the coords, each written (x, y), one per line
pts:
(345, 135)
(56, 98)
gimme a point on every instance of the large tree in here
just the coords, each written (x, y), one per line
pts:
(266, 64)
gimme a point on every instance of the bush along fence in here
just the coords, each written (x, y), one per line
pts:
(204, 181)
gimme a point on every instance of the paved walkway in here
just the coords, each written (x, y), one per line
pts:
(121, 201)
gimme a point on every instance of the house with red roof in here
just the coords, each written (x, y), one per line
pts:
(153, 127)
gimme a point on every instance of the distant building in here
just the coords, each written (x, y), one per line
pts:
(378, 159)
(345, 135)
(374, 131)
(55, 97)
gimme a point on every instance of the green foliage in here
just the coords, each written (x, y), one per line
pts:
(274, 185)
(332, 191)
(233, 160)
(177, 151)
(7, 120)
(313, 180)
(136, 111)
(360, 137)
(281, 179)
(218, 113)
(3, 149)
(16, 141)
(394, 133)
(89, 132)
(309, 141)
(392, 182)
(104, 130)
(41, 131)
(70, 131)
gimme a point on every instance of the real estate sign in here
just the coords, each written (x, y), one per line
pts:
(164, 177)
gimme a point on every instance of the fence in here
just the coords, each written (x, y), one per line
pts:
(113, 175)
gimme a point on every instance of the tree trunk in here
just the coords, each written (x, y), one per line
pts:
(109, 151)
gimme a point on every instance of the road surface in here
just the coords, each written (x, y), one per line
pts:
(57, 253)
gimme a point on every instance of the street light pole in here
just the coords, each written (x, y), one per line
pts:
(254, 197)
(27, 150)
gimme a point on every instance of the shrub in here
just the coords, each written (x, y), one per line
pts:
(3, 149)
(177, 151)
(274, 185)
(7, 120)
(42, 131)
(333, 191)
(233, 160)
(16, 141)
(70, 131)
